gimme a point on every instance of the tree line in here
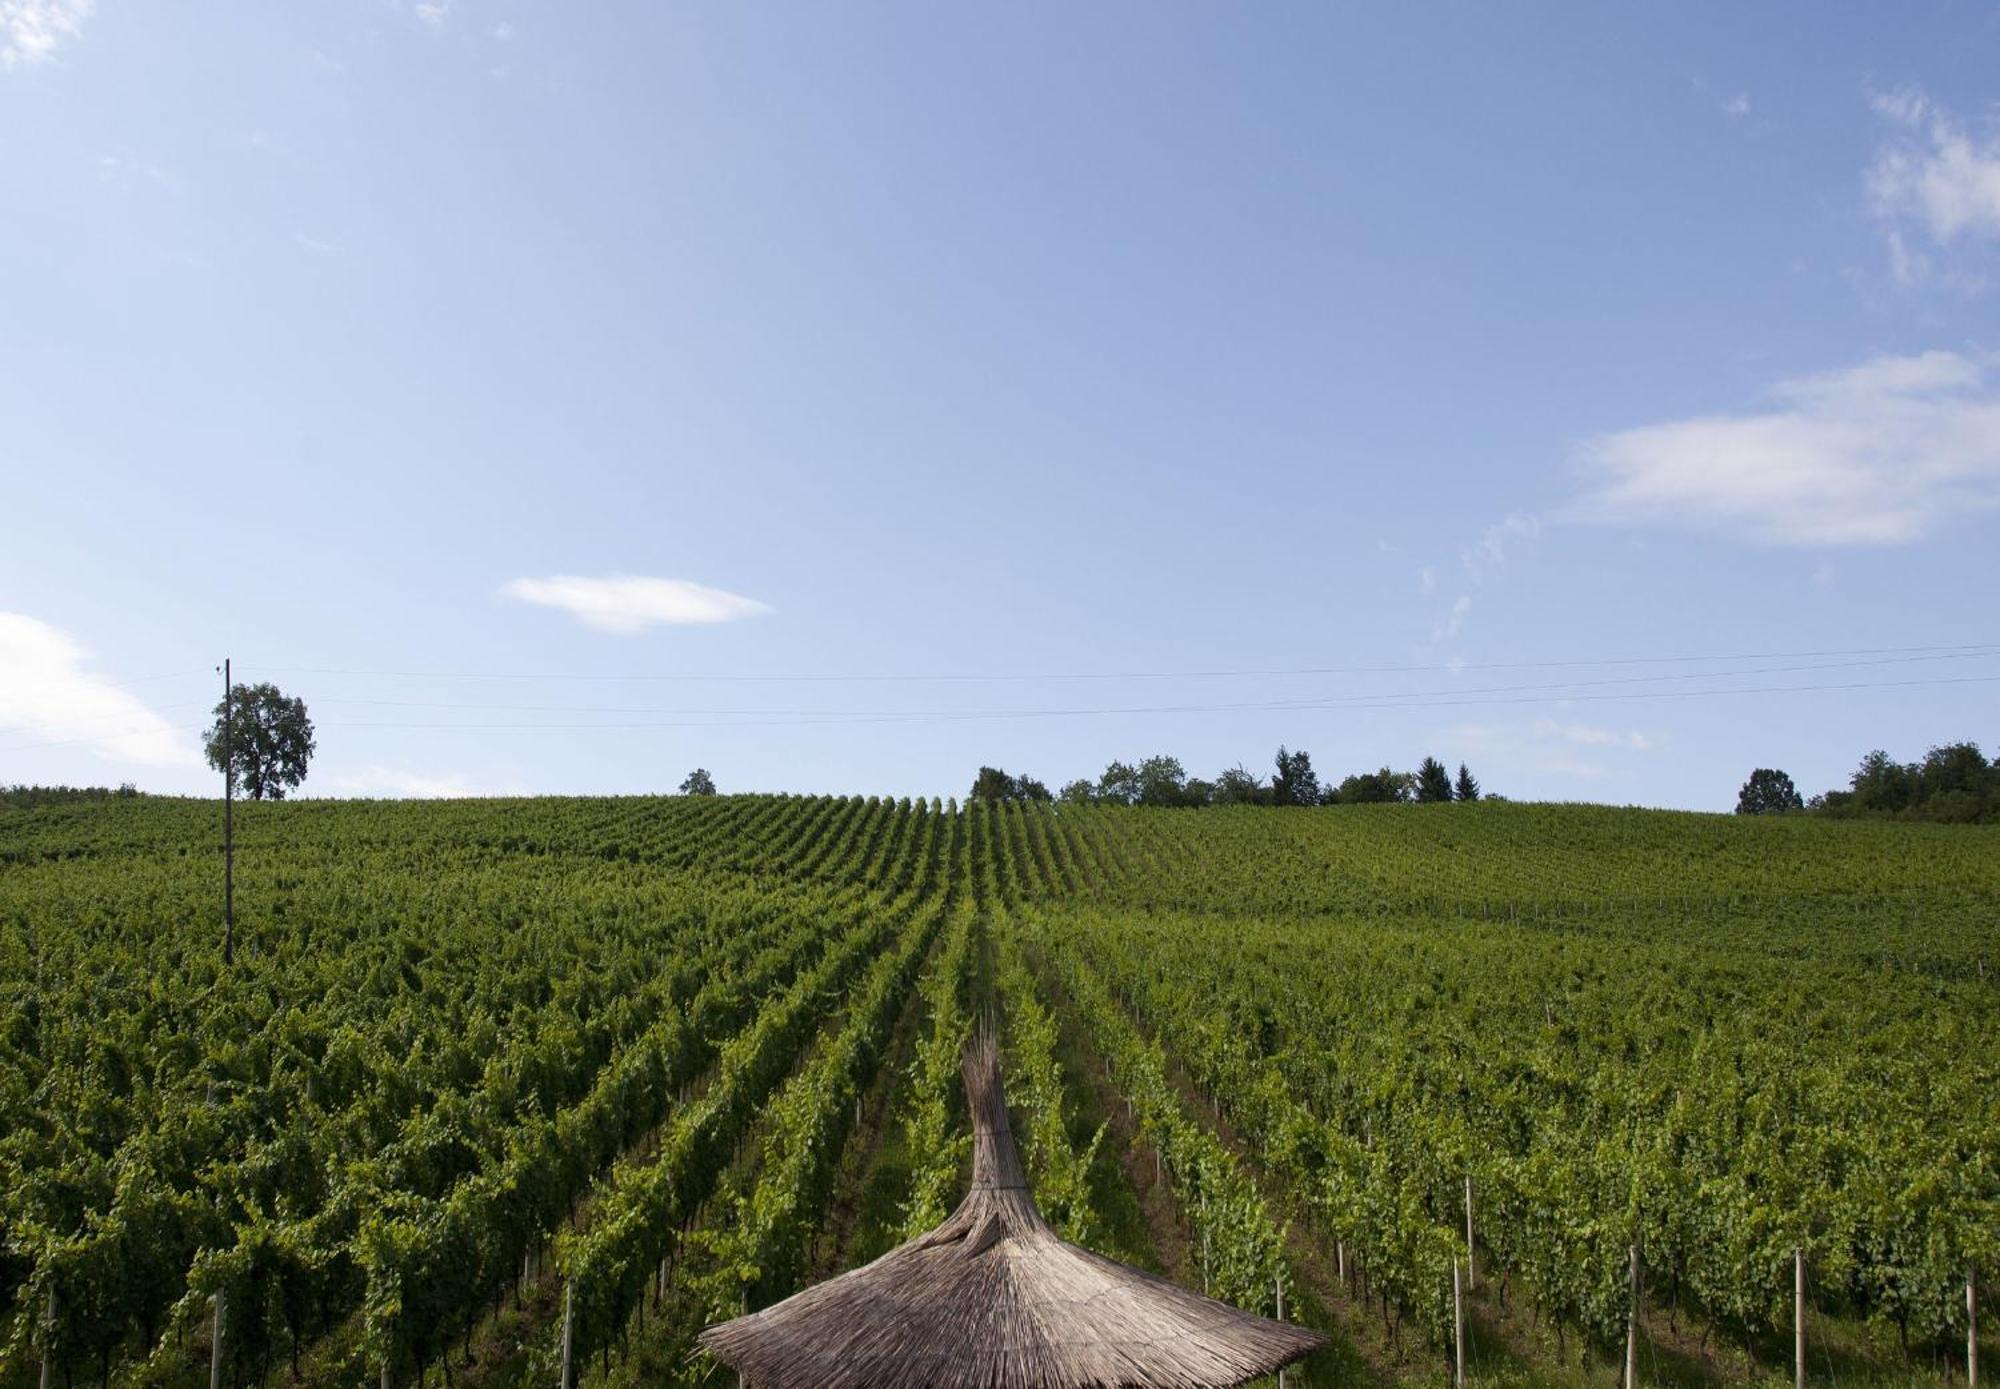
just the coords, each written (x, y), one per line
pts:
(1162, 780)
(1953, 784)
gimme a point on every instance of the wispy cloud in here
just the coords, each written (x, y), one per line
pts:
(32, 30)
(1544, 747)
(1453, 622)
(47, 693)
(398, 783)
(1879, 454)
(433, 12)
(1735, 107)
(1487, 556)
(1935, 174)
(1482, 562)
(630, 603)
(1590, 736)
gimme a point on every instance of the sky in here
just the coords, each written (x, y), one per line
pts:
(839, 398)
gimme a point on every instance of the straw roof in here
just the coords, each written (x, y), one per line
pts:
(993, 1299)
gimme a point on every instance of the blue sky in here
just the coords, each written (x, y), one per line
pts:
(751, 360)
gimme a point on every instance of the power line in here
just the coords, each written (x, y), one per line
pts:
(1362, 703)
(1262, 704)
(1228, 674)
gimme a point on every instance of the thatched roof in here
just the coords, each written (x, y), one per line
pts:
(993, 1299)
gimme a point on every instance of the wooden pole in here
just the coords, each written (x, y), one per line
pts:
(1278, 1283)
(228, 824)
(1971, 1330)
(215, 1344)
(1632, 1327)
(569, 1328)
(1799, 1317)
(1458, 1323)
(49, 1341)
(1471, 1266)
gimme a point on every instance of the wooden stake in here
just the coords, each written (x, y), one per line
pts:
(1471, 1265)
(215, 1346)
(1971, 1325)
(1799, 1317)
(1458, 1322)
(569, 1327)
(1632, 1327)
(49, 1341)
(1278, 1282)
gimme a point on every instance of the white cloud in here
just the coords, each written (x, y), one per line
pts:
(1935, 172)
(1544, 747)
(630, 603)
(1878, 454)
(1488, 555)
(32, 30)
(503, 31)
(1735, 107)
(1427, 580)
(1584, 735)
(399, 784)
(433, 12)
(1453, 622)
(46, 692)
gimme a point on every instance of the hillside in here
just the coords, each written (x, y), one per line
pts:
(676, 1056)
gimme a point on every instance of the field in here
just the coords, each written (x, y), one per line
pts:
(653, 1061)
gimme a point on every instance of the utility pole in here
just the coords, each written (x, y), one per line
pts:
(228, 825)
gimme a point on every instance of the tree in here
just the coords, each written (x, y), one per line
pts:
(270, 740)
(1295, 782)
(1433, 781)
(1078, 792)
(993, 784)
(1237, 786)
(1467, 788)
(698, 783)
(1383, 786)
(1162, 781)
(1882, 783)
(1768, 792)
(1119, 785)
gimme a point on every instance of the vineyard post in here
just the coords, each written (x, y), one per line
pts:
(49, 1340)
(228, 827)
(215, 1343)
(1799, 1317)
(569, 1328)
(1278, 1283)
(1632, 1327)
(1971, 1328)
(1471, 1269)
(1458, 1323)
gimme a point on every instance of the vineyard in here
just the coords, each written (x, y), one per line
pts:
(494, 1082)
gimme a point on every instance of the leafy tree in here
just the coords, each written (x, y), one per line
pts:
(1768, 792)
(1078, 792)
(1162, 781)
(1433, 781)
(698, 783)
(1295, 782)
(270, 740)
(1383, 786)
(1467, 789)
(993, 784)
(1237, 786)
(1882, 783)
(1119, 785)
